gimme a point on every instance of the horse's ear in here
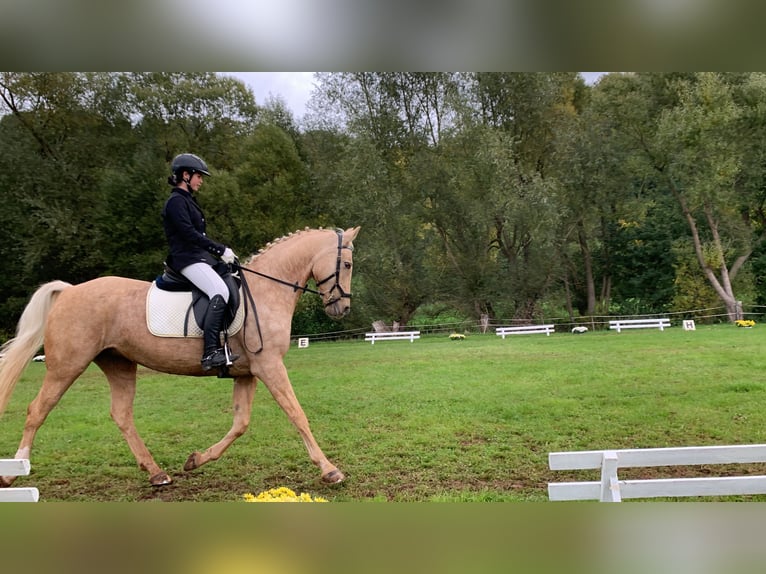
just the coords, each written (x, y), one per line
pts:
(350, 234)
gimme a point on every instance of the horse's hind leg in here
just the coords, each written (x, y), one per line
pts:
(121, 374)
(244, 391)
(56, 382)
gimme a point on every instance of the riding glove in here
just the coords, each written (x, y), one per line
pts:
(228, 256)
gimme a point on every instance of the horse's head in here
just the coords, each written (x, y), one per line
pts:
(332, 273)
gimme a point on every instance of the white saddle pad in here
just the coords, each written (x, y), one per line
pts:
(166, 314)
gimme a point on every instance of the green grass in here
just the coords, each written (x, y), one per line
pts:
(434, 420)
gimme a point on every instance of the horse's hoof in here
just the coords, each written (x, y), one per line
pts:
(334, 477)
(191, 462)
(160, 479)
(6, 481)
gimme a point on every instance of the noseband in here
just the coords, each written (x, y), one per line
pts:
(336, 276)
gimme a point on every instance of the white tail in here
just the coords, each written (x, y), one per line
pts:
(18, 352)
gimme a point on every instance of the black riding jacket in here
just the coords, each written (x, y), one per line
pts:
(184, 225)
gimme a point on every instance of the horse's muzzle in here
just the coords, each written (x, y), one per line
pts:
(338, 308)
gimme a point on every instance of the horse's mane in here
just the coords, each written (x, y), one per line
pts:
(282, 239)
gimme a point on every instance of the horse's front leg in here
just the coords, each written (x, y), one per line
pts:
(244, 391)
(281, 389)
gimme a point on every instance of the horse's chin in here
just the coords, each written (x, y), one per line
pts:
(337, 311)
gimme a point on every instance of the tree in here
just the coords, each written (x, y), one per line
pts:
(701, 157)
(617, 228)
(377, 171)
(54, 146)
(83, 163)
(517, 116)
(266, 195)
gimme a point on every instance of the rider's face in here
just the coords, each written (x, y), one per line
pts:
(195, 182)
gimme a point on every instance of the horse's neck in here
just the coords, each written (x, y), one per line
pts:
(290, 259)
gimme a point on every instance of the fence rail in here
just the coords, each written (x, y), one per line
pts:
(710, 315)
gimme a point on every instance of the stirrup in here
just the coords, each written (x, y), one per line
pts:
(230, 357)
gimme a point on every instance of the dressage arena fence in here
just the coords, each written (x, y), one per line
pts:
(392, 336)
(594, 323)
(611, 489)
(17, 467)
(525, 330)
(654, 323)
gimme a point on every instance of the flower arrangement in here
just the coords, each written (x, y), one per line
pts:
(456, 337)
(281, 494)
(744, 323)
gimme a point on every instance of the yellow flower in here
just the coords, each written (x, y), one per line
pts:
(744, 323)
(281, 494)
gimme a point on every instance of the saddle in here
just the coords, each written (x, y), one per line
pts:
(175, 307)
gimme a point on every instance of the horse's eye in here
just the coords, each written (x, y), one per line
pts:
(347, 264)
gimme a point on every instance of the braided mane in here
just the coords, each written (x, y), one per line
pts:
(282, 239)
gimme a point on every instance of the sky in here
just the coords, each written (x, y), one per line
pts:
(295, 87)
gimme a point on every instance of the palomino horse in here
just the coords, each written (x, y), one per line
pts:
(103, 321)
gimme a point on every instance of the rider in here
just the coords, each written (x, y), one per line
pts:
(193, 254)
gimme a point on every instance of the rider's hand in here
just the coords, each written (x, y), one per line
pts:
(228, 256)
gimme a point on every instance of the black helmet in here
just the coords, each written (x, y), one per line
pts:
(188, 162)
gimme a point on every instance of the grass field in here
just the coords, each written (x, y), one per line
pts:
(434, 420)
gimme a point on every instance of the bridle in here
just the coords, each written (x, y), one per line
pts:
(296, 287)
(336, 275)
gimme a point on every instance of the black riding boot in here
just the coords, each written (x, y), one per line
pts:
(213, 354)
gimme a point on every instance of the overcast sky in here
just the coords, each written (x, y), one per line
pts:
(295, 87)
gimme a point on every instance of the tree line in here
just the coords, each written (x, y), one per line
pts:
(508, 195)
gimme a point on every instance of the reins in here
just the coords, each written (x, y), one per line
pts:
(294, 286)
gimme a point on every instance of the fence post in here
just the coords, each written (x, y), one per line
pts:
(610, 487)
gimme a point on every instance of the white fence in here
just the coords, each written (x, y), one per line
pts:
(392, 336)
(16, 467)
(525, 330)
(564, 324)
(611, 489)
